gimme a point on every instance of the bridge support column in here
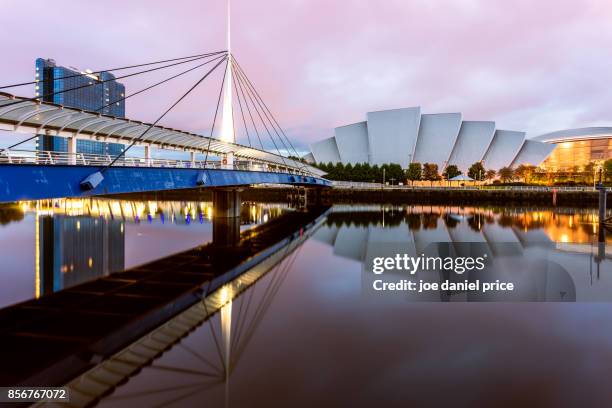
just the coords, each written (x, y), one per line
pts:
(192, 159)
(72, 142)
(226, 217)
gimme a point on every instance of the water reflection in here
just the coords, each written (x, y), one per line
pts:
(203, 363)
(319, 342)
(553, 254)
(51, 245)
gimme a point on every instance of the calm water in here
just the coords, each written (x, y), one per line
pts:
(48, 246)
(306, 335)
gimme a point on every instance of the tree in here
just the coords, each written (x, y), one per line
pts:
(589, 170)
(430, 172)
(414, 172)
(451, 171)
(506, 174)
(607, 167)
(524, 171)
(477, 171)
(490, 174)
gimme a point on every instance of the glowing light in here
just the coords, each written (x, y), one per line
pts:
(90, 262)
(564, 238)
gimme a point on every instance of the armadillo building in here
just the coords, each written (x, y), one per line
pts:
(406, 135)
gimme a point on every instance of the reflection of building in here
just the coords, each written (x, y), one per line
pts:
(577, 147)
(547, 255)
(105, 97)
(73, 250)
(406, 136)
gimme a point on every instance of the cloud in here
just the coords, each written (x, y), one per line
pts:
(535, 66)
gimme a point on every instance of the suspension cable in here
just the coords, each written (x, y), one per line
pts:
(242, 112)
(249, 111)
(109, 70)
(268, 119)
(162, 116)
(37, 98)
(126, 97)
(271, 118)
(212, 128)
(266, 106)
(265, 126)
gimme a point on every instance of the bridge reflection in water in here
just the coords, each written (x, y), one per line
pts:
(77, 240)
(226, 321)
(50, 339)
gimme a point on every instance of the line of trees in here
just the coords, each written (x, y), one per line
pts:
(363, 172)
(394, 174)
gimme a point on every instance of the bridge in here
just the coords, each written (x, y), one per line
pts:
(218, 163)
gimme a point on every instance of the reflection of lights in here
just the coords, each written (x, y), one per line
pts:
(37, 250)
(122, 228)
(152, 208)
(90, 262)
(571, 221)
(78, 225)
(564, 238)
(225, 294)
(265, 217)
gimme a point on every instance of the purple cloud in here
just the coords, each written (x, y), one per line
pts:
(532, 66)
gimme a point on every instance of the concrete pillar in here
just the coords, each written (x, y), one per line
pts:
(192, 158)
(226, 217)
(72, 150)
(226, 203)
(147, 154)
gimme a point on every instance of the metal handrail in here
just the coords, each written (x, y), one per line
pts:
(44, 157)
(363, 185)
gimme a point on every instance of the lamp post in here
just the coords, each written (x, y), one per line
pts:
(383, 180)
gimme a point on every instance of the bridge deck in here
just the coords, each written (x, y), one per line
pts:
(23, 115)
(33, 182)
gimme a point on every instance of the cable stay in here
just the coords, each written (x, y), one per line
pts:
(250, 113)
(111, 69)
(263, 122)
(248, 97)
(271, 116)
(164, 114)
(38, 98)
(212, 128)
(127, 97)
(93, 180)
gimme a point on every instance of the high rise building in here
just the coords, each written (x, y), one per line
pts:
(104, 95)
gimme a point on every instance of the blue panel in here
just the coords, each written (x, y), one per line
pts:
(33, 182)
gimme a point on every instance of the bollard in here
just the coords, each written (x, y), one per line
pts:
(602, 210)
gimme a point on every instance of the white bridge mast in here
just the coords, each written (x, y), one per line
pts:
(227, 123)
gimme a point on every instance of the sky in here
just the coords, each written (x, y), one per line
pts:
(534, 66)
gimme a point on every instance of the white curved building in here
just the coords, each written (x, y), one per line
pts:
(405, 136)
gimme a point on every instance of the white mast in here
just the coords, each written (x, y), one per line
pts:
(227, 123)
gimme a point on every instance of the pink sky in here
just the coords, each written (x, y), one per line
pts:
(535, 66)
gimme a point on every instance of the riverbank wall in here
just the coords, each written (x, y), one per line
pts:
(506, 197)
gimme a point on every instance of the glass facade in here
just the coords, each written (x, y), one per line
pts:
(578, 153)
(99, 93)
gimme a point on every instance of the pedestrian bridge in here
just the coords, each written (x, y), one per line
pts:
(29, 175)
